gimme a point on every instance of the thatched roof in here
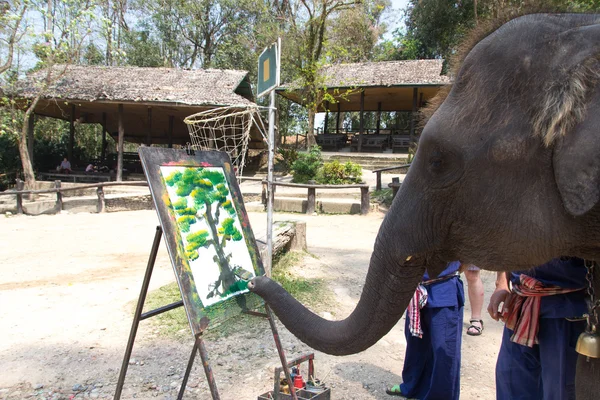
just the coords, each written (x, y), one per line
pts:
(154, 101)
(384, 73)
(387, 85)
(135, 84)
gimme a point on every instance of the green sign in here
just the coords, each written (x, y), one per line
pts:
(268, 70)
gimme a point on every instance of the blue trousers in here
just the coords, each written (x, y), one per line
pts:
(432, 364)
(545, 371)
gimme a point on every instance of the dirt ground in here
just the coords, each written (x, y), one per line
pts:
(68, 285)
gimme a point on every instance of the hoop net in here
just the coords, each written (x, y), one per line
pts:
(227, 129)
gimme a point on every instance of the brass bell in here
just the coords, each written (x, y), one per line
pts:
(588, 344)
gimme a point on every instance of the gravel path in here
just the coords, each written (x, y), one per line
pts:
(68, 285)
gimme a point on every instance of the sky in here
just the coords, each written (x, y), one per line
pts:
(396, 16)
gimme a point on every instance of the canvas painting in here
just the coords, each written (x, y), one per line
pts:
(206, 230)
(213, 238)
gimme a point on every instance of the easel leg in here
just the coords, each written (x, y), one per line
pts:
(210, 378)
(138, 312)
(187, 371)
(199, 346)
(284, 364)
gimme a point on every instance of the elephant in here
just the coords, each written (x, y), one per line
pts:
(506, 177)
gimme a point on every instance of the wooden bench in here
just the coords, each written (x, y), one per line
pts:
(374, 142)
(19, 192)
(95, 177)
(379, 171)
(336, 141)
(400, 142)
(312, 194)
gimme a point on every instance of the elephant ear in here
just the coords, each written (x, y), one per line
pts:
(577, 45)
(576, 161)
(576, 156)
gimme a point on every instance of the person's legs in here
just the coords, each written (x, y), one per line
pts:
(417, 360)
(475, 289)
(558, 357)
(446, 340)
(518, 371)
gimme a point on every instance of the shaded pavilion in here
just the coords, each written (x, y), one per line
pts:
(134, 104)
(399, 86)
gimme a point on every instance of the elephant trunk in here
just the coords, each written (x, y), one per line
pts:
(390, 284)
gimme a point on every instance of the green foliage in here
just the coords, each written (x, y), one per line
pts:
(336, 173)
(306, 167)
(142, 50)
(383, 196)
(229, 231)
(287, 157)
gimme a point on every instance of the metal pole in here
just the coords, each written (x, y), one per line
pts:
(270, 194)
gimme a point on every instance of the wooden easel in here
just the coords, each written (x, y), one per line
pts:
(198, 341)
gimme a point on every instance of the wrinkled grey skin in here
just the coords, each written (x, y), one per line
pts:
(506, 177)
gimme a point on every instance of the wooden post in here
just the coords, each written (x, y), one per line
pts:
(365, 202)
(378, 116)
(20, 187)
(30, 126)
(413, 115)
(103, 153)
(171, 122)
(337, 122)
(71, 133)
(263, 195)
(101, 203)
(311, 203)
(149, 133)
(362, 120)
(325, 125)
(378, 185)
(59, 199)
(395, 186)
(120, 145)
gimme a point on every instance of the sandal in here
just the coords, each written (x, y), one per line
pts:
(478, 329)
(394, 391)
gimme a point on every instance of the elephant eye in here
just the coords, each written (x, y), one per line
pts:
(435, 162)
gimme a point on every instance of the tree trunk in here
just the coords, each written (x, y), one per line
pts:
(310, 135)
(28, 174)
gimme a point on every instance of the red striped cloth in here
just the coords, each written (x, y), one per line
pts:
(417, 302)
(521, 311)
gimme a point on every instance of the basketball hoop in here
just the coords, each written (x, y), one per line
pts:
(227, 129)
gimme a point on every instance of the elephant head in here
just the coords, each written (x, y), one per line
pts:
(506, 176)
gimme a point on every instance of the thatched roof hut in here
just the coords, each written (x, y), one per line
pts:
(211, 87)
(169, 92)
(142, 105)
(387, 85)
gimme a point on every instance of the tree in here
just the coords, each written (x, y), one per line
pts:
(308, 22)
(202, 196)
(66, 28)
(12, 16)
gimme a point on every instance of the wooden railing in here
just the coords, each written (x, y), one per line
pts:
(312, 193)
(379, 171)
(59, 190)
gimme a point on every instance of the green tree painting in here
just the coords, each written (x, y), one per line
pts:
(202, 201)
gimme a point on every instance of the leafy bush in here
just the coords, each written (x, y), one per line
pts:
(336, 173)
(306, 167)
(287, 157)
